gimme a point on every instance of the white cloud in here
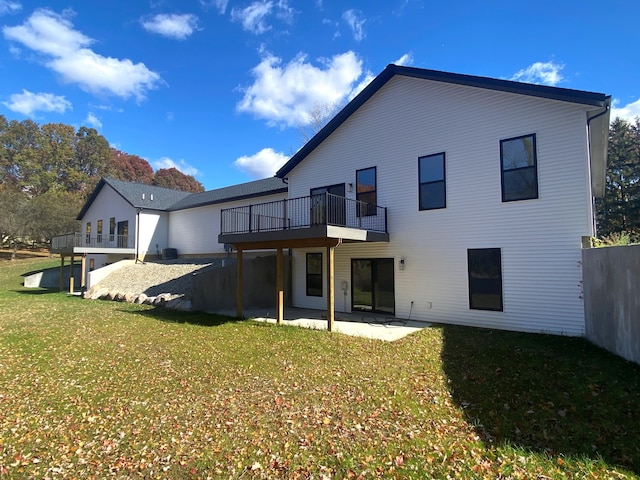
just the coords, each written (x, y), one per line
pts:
(173, 25)
(7, 6)
(355, 20)
(184, 167)
(545, 73)
(628, 112)
(254, 17)
(53, 36)
(28, 103)
(93, 121)
(221, 5)
(406, 59)
(263, 164)
(286, 94)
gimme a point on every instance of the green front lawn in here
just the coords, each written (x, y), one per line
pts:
(98, 389)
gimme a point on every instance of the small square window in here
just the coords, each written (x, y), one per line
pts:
(519, 170)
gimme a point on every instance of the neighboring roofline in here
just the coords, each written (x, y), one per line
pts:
(230, 199)
(107, 181)
(541, 91)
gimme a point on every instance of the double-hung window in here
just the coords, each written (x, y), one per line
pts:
(88, 233)
(366, 191)
(431, 179)
(314, 274)
(519, 169)
(485, 278)
(99, 231)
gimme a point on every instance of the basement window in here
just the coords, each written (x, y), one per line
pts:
(314, 274)
(485, 278)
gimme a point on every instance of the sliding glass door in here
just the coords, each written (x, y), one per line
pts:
(372, 285)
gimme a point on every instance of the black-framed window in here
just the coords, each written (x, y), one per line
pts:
(431, 179)
(366, 191)
(519, 168)
(485, 278)
(99, 231)
(314, 274)
(112, 229)
(88, 233)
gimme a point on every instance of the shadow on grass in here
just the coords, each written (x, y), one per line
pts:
(551, 394)
(38, 291)
(192, 318)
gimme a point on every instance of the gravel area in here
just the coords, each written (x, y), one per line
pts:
(154, 278)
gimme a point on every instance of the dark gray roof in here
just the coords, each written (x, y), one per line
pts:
(138, 195)
(257, 188)
(554, 93)
(149, 197)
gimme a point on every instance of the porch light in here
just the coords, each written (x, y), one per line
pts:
(402, 263)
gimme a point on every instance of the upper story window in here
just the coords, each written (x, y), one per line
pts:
(431, 179)
(519, 168)
(112, 229)
(366, 191)
(99, 231)
(88, 232)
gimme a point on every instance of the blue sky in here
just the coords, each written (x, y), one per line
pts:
(223, 89)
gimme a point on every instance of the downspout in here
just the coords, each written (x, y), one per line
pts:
(138, 235)
(593, 198)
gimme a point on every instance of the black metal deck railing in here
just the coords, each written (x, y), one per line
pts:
(304, 212)
(70, 240)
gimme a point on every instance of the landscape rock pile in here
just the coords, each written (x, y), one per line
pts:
(160, 283)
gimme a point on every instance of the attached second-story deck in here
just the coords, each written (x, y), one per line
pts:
(85, 243)
(322, 216)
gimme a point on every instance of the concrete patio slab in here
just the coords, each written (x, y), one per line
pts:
(360, 324)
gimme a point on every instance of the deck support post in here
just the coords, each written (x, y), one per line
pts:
(72, 277)
(279, 286)
(239, 282)
(83, 264)
(61, 272)
(330, 290)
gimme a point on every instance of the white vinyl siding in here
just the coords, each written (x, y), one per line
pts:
(539, 239)
(195, 231)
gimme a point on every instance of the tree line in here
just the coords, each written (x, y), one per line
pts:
(618, 212)
(48, 171)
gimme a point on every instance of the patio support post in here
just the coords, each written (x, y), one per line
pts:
(330, 292)
(279, 286)
(83, 264)
(61, 272)
(71, 275)
(239, 282)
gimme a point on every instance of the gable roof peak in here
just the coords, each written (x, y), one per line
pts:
(391, 70)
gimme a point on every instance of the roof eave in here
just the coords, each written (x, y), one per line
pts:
(598, 131)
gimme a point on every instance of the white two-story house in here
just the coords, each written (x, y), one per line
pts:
(442, 198)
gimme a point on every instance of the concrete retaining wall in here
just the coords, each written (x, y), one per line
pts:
(215, 290)
(50, 278)
(611, 277)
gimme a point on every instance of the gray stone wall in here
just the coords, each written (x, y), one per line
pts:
(611, 277)
(50, 278)
(215, 290)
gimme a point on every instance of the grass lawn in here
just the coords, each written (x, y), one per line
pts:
(99, 389)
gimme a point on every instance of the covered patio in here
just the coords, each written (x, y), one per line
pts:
(360, 324)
